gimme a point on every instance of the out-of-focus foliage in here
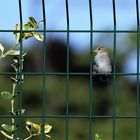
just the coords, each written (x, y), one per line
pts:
(78, 97)
(97, 137)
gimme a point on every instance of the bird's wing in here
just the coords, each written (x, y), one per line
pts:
(95, 68)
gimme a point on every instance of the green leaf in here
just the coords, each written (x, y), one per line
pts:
(33, 22)
(33, 128)
(9, 128)
(28, 35)
(38, 36)
(47, 128)
(16, 61)
(17, 35)
(7, 95)
(12, 52)
(17, 43)
(27, 27)
(1, 49)
(97, 137)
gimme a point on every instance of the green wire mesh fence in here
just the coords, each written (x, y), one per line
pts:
(67, 116)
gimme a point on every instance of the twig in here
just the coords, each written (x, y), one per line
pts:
(12, 106)
(28, 137)
(6, 135)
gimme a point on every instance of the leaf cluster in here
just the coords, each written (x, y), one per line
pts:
(36, 129)
(28, 31)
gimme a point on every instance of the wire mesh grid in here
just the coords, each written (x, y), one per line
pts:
(90, 116)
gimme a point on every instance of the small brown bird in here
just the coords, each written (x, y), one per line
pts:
(102, 63)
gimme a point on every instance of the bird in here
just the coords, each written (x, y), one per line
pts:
(102, 63)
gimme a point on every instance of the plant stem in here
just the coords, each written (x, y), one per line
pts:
(6, 135)
(12, 104)
(28, 137)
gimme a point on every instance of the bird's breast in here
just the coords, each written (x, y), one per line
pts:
(103, 63)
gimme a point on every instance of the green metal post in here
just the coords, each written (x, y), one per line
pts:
(114, 72)
(137, 97)
(91, 65)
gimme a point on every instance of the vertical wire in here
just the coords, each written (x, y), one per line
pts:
(91, 63)
(114, 71)
(21, 63)
(44, 71)
(137, 96)
(67, 82)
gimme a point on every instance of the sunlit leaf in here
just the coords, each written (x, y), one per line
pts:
(12, 52)
(33, 22)
(38, 36)
(1, 49)
(27, 35)
(47, 129)
(7, 95)
(33, 128)
(27, 27)
(9, 128)
(17, 35)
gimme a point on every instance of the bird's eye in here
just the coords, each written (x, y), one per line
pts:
(98, 48)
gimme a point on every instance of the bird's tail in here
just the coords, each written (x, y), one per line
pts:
(105, 77)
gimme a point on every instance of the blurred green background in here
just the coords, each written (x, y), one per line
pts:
(79, 93)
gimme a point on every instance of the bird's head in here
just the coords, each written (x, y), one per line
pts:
(99, 50)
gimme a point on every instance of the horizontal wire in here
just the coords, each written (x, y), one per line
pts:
(71, 116)
(75, 31)
(64, 73)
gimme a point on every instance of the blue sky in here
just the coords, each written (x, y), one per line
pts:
(79, 17)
